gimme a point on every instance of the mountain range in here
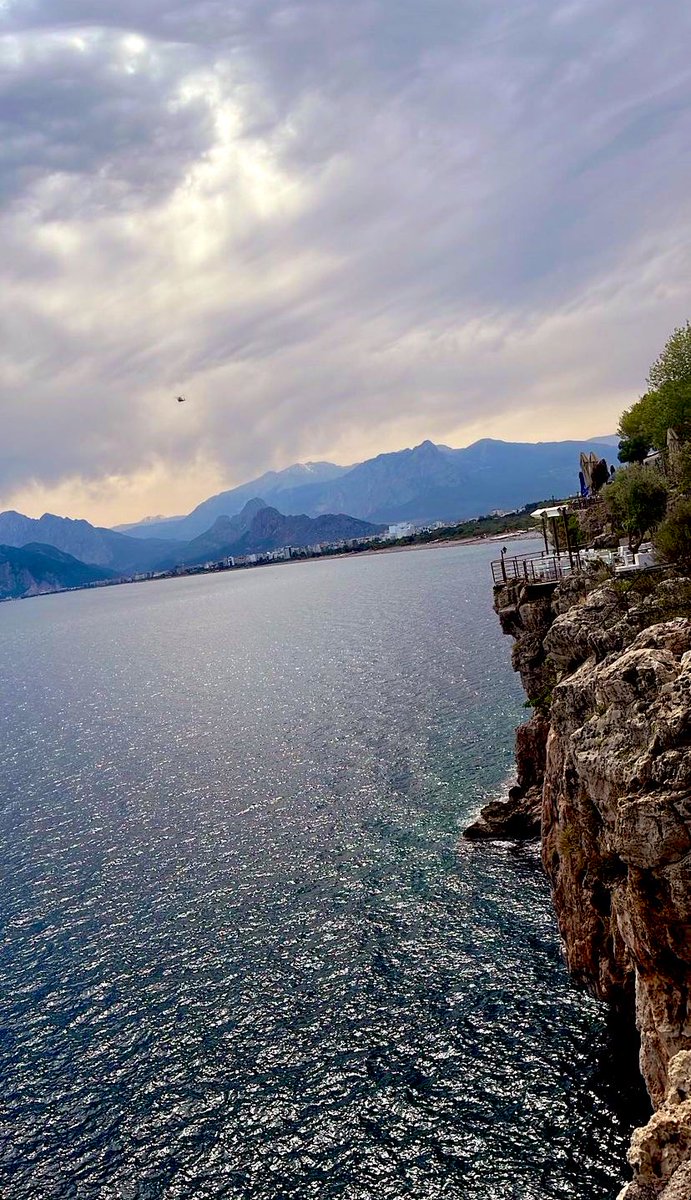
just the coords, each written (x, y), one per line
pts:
(30, 567)
(86, 542)
(426, 483)
(259, 527)
(33, 569)
(274, 484)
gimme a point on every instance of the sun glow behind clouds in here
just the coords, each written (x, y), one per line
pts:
(339, 229)
(117, 498)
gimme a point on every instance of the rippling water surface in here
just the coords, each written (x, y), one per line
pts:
(245, 952)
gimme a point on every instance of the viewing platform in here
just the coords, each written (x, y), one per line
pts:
(545, 567)
(540, 567)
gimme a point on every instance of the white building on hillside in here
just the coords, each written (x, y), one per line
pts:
(401, 530)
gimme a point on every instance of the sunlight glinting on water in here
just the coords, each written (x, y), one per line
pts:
(246, 952)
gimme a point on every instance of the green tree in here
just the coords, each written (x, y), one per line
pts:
(673, 365)
(634, 447)
(637, 499)
(673, 536)
(645, 424)
(682, 471)
(667, 405)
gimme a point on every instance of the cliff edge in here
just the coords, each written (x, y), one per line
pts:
(604, 772)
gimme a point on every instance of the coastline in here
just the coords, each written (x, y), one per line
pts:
(437, 544)
(608, 676)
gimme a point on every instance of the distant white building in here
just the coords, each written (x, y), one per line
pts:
(401, 530)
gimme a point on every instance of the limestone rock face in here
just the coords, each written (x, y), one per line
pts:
(519, 817)
(660, 1152)
(616, 822)
(526, 613)
(594, 628)
(616, 833)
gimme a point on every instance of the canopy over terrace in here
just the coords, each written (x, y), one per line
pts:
(555, 511)
(554, 514)
(550, 564)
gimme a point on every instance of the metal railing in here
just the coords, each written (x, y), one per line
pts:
(536, 568)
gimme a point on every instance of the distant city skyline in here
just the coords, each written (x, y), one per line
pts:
(338, 227)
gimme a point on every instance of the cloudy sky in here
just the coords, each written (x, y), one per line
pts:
(338, 226)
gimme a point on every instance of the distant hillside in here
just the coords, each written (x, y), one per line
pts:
(210, 545)
(85, 542)
(35, 569)
(425, 483)
(436, 483)
(107, 554)
(270, 530)
(272, 485)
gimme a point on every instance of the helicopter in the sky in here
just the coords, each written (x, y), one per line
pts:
(181, 399)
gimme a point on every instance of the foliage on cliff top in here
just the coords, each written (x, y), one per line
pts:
(666, 405)
(644, 426)
(644, 501)
(673, 537)
(673, 364)
(648, 599)
(637, 501)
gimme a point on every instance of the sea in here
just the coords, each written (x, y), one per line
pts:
(245, 951)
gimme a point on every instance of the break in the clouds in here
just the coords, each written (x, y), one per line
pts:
(339, 226)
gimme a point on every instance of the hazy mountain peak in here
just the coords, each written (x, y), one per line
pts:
(420, 483)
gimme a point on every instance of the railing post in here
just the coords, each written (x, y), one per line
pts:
(567, 535)
(538, 567)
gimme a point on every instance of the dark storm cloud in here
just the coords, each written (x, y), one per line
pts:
(333, 218)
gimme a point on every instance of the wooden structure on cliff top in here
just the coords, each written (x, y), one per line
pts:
(535, 568)
(548, 565)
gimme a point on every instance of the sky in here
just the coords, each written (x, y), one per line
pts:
(339, 227)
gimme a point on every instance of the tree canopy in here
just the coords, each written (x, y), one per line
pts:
(644, 426)
(667, 405)
(637, 501)
(673, 537)
(673, 365)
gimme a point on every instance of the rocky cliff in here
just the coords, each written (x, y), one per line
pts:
(607, 668)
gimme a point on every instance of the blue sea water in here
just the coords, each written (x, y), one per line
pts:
(245, 952)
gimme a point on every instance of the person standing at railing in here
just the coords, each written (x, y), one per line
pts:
(503, 565)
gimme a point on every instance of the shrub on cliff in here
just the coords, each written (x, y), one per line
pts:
(680, 470)
(637, 499)
(673, 537)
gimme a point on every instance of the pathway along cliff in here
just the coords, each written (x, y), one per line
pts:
(604, 775)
